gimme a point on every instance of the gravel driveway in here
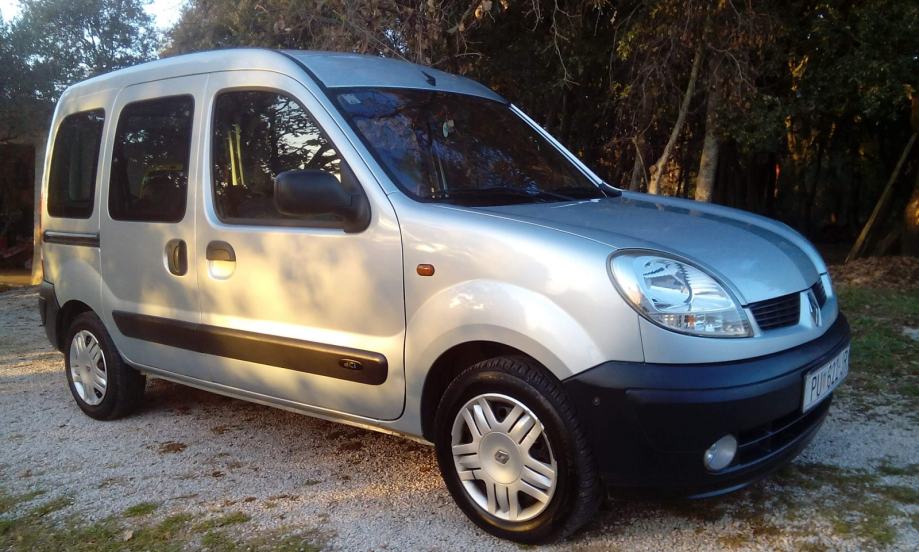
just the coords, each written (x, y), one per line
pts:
(190, 451)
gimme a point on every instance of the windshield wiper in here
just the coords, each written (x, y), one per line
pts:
(583, 193)
(499, 190)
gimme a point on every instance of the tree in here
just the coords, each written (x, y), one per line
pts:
(55, 43)
(793, 108)
(21, 103)
(66, 41)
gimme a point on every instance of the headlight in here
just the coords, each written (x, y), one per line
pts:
(678, 296)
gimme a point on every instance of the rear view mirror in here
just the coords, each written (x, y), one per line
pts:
(316, 192)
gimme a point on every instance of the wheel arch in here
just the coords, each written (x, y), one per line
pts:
(69, 311)
(448, 365)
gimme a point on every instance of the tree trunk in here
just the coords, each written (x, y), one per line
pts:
(911, 214)
(911, 222)
(858, 248)
(658, 172)
(639, 177)
(708, 162)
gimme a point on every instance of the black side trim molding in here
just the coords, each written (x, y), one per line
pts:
(71, 238)
(292, 354)
(49, 311)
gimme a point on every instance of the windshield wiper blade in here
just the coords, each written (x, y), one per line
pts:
(605, 190)
(500, 190)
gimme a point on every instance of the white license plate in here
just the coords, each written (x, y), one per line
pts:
(820, 382)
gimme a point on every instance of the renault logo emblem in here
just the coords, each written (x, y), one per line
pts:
(816, 318)
(502, 457)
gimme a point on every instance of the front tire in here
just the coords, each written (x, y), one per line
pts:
(104, 387)
(513, 453)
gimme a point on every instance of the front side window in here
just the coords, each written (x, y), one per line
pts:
(257, 135)
(149, 179)
(72, 180)
(461, 149)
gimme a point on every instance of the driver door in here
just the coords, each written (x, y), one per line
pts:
(294, 308)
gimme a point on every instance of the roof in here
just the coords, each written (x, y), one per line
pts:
(331, 69)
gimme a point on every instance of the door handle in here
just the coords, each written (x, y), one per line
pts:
(220, 251)
(177, 257)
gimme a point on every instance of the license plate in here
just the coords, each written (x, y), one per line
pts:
(820, 382)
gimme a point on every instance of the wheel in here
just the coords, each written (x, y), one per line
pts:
(513, 454)
(104, 387)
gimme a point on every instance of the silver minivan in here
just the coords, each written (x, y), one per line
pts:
(397, 248)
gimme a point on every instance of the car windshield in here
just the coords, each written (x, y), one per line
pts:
(461, 149)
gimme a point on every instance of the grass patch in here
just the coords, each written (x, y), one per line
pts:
(141, 509)
(900, 493)
(858, 506)
(233, 518)
(51, 506)
(33, 531)
(898, 471)
(8, 501)
(220, 542)
(855, 503)
(885, 361)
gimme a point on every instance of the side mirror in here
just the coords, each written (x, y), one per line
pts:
(317, 192)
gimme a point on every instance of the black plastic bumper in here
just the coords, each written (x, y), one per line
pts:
(651, 423)
(49, 310)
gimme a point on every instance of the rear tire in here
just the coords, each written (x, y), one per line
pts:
(513, 454)
(104, 387)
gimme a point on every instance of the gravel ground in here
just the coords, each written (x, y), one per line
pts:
(195, 452)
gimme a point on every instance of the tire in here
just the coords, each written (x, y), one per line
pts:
(504, 461)
(104, 387)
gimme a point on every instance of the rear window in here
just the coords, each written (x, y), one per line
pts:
(152, 144)
(74, 159)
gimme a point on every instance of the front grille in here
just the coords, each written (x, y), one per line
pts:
(819, 292)
(756, 443)
(777, 313)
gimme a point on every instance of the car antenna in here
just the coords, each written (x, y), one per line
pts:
(430, 78)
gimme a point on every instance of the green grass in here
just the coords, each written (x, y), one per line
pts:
(858, 506)
(855, 503)
(889, 469)
(220, 542)
(141, 509)
(8, 501)
(233, 518)
(51, 506)
(34, 531)
(884, 363)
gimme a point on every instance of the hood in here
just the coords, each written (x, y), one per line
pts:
(757, 257)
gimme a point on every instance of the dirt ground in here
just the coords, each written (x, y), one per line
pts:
(193, 470)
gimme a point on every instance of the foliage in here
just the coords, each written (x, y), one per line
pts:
(20, 99)
(808, 98)
(71, 40)
(52, 44)
(807, 101)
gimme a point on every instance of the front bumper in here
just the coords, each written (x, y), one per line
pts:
(650, 424)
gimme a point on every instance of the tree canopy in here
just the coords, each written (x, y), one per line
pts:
(52, 44)
(797, 109)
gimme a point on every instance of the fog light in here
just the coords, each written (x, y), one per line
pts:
(720, 454)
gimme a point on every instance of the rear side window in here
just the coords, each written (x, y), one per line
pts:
(72, 180)
(149, 180)
(258, 134)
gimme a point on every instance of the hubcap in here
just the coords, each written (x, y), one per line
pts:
(87, 368)
(503, 457)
